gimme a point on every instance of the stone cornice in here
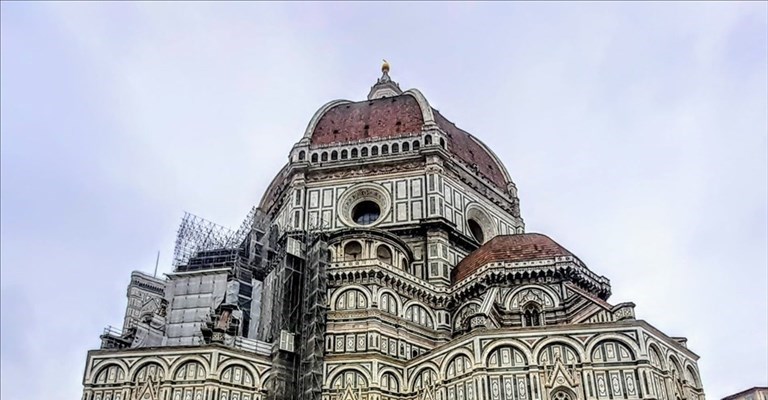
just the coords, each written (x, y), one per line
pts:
(565, 268)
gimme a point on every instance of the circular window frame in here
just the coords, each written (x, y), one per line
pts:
(359, 193)
(483, 220)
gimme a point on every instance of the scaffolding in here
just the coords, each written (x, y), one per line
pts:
(291, 266)
(298, 315)
(204, 245)
(201, 243)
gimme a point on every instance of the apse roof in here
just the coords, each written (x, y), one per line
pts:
(509, 248)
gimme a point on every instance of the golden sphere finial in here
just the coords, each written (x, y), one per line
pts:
(385, 66)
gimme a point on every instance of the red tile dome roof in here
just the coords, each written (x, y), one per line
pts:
(368, 120)
(509, 248)
(402, 115)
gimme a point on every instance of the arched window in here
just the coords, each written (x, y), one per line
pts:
(532, 315)
(459, 366)
(374, 151)
(383, 254)
(610, 351)
(314, 157)
(505, 357)
(353, 153)
(190, 371)
(395, 148)
(692, 377)
(349, 378)
(302, 155)
(677, 378)
(384, 149)
(419, 315)
(428, 139)
(352, 251)
(110, 374)
(655, 358)
(388, 303)
(427, 377)
(555, 352)
(149, 371)
(364, 152)
(389, 383)
(442, 142)
(462, 316)
(406, 146)
(238, 375)
(404, 264)
(415, 145)
(334, 155)
(351, 299)
(324, 157)
(343, 154)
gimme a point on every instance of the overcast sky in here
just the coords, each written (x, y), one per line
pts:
(637, 134)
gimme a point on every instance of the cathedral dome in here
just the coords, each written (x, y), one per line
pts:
(510, 248)
(406, 114)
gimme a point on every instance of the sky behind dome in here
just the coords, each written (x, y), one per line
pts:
(637, 135)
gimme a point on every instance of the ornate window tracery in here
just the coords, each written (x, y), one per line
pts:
(388, 303)
(419, 315)
(351, 299)
(349, 378)
(389, 382)
(426, 378)
(148, 371)
(190, 371)
(532, 315)
(459, 366)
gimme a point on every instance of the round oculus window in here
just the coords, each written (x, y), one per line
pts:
(476, 230)
(366, 212)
